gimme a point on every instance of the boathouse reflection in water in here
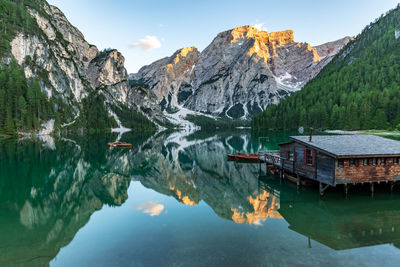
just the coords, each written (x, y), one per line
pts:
(48, 193)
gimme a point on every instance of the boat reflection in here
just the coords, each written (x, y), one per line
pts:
(199, 172)
(50, 189)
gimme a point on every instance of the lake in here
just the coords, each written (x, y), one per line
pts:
(174, 200)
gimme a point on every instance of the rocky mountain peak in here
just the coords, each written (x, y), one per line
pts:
(166, 76)
(183, 53)
(241, 72)
(107, 70)
(264, 43)
(182, 61)
(281, 38)
(332, 48)
(69, 69)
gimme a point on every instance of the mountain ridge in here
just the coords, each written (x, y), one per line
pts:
(241, 72)
(357, 90)
(55, 54)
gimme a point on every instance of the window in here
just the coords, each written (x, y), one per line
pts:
(291, 155)
(366, 162)
(374, 161)
(396, 161)
(383, 161)
(340, 163)
(309, 157)
(352, 162)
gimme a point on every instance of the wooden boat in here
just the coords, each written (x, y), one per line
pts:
(244, 157)
(231, 156)
(247, 154)
(119, 144)
(248, 158)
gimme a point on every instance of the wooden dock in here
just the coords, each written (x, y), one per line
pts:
(336, 160)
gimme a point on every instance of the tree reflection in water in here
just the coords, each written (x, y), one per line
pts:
(49, 189)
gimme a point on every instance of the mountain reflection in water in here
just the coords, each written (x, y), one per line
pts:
(49, 190)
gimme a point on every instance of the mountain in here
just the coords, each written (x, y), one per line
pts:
(80, 86)
(242, 72)
(358, 89)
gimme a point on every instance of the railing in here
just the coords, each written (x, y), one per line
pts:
(271, 157)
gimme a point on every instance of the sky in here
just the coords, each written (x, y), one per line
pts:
(147, 30)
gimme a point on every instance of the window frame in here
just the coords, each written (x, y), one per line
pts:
(309, 157)
(340, 163)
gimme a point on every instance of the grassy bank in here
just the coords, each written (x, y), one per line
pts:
(383, 133)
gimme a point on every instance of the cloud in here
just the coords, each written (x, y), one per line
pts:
(151, 208)
(147, 43)
(258, 222)
(260, 26)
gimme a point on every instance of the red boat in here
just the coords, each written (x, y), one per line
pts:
(244, 157)
(119, 144)
(231, 156)
(247, 158)
(247, 154)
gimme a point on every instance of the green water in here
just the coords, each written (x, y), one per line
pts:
(174, 200)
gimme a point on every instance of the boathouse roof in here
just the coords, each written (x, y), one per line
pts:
(351, 145)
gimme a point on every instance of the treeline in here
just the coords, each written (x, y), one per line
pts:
(23, 106)
(14, 18)
(207, 123)
(359, 89)
(94, 116)
(133, 119)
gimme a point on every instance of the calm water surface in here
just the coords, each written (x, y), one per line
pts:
(174, 200)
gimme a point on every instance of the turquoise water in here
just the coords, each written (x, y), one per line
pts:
(174, 200)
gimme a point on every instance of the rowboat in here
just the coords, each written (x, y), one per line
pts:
(119, 144)
(231, 156)
(247, 154)
(244, 157)
(248, 158)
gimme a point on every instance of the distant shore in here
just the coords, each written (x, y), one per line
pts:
(374, 132)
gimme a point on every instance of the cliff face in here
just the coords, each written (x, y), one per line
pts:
(242, 71)
(107, 70)
(66, 65)
(166, 77)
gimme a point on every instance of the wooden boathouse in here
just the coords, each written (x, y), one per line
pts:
(333, 160)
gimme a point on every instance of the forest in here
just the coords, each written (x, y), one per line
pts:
(24, 106)
(358, 89)
(22, 103)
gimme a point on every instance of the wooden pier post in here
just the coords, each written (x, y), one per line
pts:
(372, 189)
(346, 189)
(391, 187)
(322, 189)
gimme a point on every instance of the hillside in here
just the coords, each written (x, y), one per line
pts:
(51, 77)
(358, 89)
